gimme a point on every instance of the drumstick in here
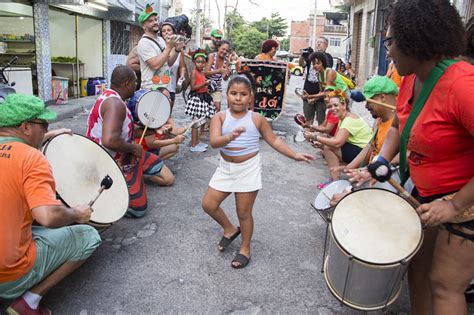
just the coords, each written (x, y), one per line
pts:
(359, 97)
(193, 123)
(381, 104)
(106, 183)
(403, 192)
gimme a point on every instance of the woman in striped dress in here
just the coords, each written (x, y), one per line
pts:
(216, 70)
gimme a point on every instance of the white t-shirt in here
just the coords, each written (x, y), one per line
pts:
(174, 75)
(151, 78)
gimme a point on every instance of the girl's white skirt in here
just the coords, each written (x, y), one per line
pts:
(238, 177)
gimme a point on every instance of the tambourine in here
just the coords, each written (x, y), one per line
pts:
(299, 92)
(300, 120)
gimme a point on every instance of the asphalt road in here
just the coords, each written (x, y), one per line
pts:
(167, 262)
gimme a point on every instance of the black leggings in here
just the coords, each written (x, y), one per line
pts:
(349, 151)
(453, 228)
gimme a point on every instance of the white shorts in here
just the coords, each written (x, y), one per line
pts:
(238, 177)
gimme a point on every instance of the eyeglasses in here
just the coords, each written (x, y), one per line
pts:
(387, 42)
(44, 123)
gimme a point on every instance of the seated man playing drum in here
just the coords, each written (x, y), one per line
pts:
(110, 124)
(33, 259)
(384, 90)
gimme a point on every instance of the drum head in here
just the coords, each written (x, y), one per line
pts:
(153, 109)
(376, 226)
(336, 187)
(79, 165)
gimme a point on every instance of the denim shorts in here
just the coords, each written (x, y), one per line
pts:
(54, 247)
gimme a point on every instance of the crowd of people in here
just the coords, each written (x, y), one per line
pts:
(424, 124)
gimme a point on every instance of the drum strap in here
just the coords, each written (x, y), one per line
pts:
(158, 44)
(11, 139)
(428, 86)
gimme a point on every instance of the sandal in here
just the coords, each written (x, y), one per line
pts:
(241, 259)
(226, 241)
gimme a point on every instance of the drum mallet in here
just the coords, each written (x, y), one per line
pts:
(381, 171)
(106, 183)
(195, 124)
(357, 96)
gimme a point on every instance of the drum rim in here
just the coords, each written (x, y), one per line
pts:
(407, 258)
(137, 105)
(321, 191)
(43, 150)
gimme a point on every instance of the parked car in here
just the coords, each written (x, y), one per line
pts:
(296, 69)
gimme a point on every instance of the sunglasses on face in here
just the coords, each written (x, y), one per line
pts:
(45, 124)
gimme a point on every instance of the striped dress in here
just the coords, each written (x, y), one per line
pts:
(217, 77)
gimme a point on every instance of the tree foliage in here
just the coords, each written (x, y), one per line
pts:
(248, 40)
(285, 44)
(275, 26)
(233, 21)
(205, 22)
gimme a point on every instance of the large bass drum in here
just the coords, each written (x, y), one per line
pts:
(372, 235)
(79, 165)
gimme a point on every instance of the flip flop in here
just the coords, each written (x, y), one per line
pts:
(226, 241)
(242, 260)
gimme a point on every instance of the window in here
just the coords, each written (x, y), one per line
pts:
(120, 37)
(336, 42)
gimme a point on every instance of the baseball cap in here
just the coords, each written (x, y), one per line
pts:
(145, 15)
(379, 85)
(18, 108)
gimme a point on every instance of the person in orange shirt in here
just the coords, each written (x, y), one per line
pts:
(384, 90)
(392, 74)
(269, 49)
(33, 259)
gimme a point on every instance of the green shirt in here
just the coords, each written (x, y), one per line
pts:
(359, 131)
(339, 82)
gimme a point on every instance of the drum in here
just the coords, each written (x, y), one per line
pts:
(79, 165)
(372, 235)
(149, 107)
(321, 202)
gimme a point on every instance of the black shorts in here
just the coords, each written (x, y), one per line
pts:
(453, 228)
(349, 151)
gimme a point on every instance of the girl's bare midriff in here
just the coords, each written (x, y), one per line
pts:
(238, 159)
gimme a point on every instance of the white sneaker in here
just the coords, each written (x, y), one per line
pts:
(197, 148)
(202, 145)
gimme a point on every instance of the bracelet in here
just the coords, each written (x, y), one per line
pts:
(381, 159)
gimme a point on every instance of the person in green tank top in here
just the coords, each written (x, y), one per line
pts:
(327, 75)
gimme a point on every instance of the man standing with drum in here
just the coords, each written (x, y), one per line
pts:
(33, 259)
(110, 124)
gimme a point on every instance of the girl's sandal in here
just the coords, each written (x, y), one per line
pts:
(225, 242)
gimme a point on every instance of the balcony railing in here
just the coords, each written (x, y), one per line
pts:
(335, 29)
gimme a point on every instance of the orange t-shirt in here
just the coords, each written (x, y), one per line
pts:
(264, 57)
(382, 129)
(27, 182)
(392, 73)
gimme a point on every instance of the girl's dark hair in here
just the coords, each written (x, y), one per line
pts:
(224, 41)
(427, 29)
(240, 79)
(321, 57)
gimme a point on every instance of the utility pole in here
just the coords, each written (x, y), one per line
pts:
(225, 15)
(313, 29)
(198, 23)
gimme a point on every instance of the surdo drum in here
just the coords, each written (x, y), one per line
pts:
(151, 108)
(371, 236)
(79, 165)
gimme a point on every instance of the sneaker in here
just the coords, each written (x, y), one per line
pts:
(20, 307)
(135, 213)
(202, 145)
(197, 148)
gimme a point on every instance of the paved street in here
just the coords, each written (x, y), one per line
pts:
(167, 262)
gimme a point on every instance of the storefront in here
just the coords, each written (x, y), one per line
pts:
(57, 45)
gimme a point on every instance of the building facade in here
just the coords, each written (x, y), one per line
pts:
(69, 41)
(332, 25)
